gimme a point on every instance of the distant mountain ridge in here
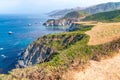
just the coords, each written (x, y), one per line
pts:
(61, 13)
(103, 7)
(110, 6)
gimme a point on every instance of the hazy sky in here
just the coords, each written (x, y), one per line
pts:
(43, 6)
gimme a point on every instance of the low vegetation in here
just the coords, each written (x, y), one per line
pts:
(104, 33)
(105, 16)
(71, 48)
(75, 14)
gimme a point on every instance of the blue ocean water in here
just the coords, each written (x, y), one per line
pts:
(23, 34)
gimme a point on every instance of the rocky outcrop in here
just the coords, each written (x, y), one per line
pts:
(45, 47)
(60, 22)
(37, 52)
(72, 27)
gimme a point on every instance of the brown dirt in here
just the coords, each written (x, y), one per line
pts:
(106, 69)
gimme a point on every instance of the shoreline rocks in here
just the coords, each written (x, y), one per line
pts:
(34, 54)
(60, 22)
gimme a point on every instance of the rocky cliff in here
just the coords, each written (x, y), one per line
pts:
(35, 53)
(43, 48)
(60, 22)
(68, 19)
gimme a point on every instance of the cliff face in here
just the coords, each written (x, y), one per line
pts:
(60, 22)
(42, 49)
(68, 19)
(35, 53)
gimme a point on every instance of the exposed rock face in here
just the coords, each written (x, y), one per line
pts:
(60, 22)
(35, 53)
(45, 47)
(72, 27)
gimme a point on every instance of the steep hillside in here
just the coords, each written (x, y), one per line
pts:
(103, 7)
(46, 47)
(105, 16)
(75, 14)
(61, 13)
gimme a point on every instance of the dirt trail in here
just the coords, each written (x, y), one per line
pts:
(108, 69)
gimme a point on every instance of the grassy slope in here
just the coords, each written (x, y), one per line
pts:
(105, 16)
(76, 14)
(104, 33)
(78, 52)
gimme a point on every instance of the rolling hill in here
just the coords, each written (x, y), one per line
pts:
(75, 14)
(61, 13)
(105, 16)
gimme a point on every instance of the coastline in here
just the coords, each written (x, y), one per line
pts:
(65, 56)
(11, 46)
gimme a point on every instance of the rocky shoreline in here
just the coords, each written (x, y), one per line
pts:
(60, 22)
(34, 54)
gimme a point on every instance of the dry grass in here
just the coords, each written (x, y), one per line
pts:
(108, 69)
(87, 23)
(102, 32)
(105, 69)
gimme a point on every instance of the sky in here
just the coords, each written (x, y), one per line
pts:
(44, 6)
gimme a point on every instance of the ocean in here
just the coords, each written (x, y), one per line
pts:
(25, 29)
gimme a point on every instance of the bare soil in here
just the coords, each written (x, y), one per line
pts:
(105, 69)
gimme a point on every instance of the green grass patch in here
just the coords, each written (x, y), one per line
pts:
(110, 16)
